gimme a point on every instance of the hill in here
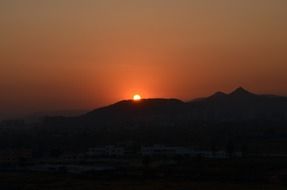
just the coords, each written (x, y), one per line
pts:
(241, 117)
(238, 105)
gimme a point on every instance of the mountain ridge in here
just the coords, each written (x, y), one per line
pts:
(239, 104)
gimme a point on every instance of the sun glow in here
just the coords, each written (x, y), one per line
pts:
(137, 97)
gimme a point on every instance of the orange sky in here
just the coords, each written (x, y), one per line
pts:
(68, 54)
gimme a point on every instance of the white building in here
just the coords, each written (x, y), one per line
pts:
(169, 151)
(109, 150)
(161, 150)
(156, 151)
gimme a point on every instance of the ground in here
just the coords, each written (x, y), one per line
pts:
(39, 181)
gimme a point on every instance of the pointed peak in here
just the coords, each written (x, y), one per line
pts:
(219, 94)
(241, 91)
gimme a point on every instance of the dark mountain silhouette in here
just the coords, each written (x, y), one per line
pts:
(144, 110)
(219, 118)
(238, 94)
(144, 106)
(219, 94)
(241, 92)
(238, 105)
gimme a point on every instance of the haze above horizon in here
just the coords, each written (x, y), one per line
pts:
(61, 55)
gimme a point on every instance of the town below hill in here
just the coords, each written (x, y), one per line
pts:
(240, 136)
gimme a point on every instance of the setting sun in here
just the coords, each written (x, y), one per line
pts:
(137, 97)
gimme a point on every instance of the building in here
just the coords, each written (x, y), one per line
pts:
(171, 151)
(106, 151)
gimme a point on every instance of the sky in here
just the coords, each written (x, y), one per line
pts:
(82, 54)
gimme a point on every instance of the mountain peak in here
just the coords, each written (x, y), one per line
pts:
(125, 105)
(218, 94)
(240, 91)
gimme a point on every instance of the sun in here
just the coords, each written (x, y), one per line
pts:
(137, 97)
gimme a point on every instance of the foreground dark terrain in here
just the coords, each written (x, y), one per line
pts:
(224, 141)
(36, 181)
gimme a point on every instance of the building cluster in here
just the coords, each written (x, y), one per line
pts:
(153, 151)
(116, 152)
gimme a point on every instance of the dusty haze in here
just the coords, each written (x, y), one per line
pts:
(67, 54)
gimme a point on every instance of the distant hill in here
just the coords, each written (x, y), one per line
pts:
(238, 105)
(145, 109)
(240, 117)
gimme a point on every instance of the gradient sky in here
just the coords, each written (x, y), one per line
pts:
(68, 54)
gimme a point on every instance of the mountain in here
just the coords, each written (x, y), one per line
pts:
(239, 116)
(240, 91)
(142, 107)
(238, 94)
(240, 104)
(127, 110)
(237, 106)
